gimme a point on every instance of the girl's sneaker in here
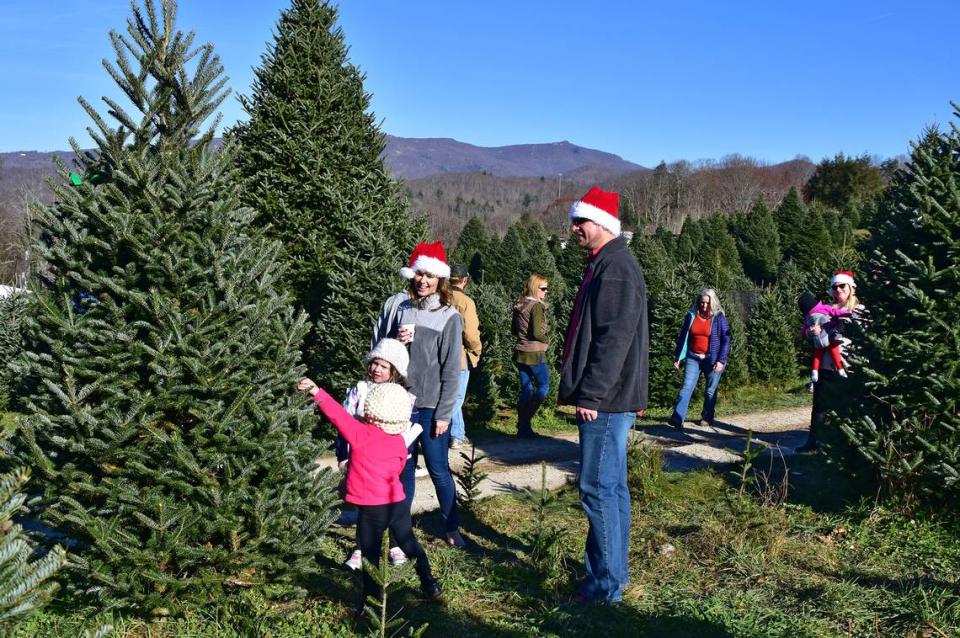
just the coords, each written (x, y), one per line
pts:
(355, 561)
(397, 557)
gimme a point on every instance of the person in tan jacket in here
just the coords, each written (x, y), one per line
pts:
(459, 278)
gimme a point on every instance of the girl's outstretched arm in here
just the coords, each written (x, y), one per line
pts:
(348, 426)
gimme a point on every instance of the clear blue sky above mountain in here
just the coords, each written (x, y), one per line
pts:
(647, 81)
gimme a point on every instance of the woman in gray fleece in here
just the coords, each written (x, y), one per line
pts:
(433, 330)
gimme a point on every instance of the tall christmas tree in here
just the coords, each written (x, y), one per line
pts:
(758, 242)
(472, 247)
(311, 166)
(907, 421)
(771, 353)
(166, 432)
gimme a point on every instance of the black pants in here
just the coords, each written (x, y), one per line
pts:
(823, 401)
(372, 521)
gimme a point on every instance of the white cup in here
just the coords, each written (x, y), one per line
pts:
(410, 328)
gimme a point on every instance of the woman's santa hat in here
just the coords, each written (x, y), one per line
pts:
(600, 207)
(428, 258)
(842, 277)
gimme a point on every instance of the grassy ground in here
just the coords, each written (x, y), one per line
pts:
(827, 562)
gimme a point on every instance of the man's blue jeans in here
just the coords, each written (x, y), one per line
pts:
(692, 368)
(458, 428)
(435, 451)
(606, 502)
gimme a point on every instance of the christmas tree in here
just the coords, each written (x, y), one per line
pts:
(907, 421)
(771, 353)
(472, 247)
(311, 166)
(758, 242)
(165, 432)
(803, 233)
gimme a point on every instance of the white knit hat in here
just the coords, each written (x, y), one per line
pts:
(393, 352)
(388, 407)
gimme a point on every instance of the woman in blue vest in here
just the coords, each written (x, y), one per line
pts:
(702, 347)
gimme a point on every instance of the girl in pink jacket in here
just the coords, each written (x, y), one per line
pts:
(817, 313)
(378, 453)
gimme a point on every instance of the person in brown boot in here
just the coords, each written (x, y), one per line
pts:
(530, 330)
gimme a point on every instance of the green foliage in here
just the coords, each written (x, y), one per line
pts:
(473, 247)
(382, 623)
(803, 233)
(165, 430)
(469, 478)
(845, 182)
(737, 371)
(23, 583)
(717, 255)
(496, 373)
(543, 538)
(510, 266)
(907, 422)
(690, 241)
(670, 296)
(771, 353)
(311, 168)
(644, 470)
(13, 311)
(758, 242)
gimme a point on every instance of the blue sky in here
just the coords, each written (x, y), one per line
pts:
(647, 81)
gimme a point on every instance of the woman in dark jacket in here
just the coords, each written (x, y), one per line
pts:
(702, 345)
(530, 329)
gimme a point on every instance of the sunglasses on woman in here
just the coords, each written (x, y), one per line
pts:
(838, 286)
(544, 288)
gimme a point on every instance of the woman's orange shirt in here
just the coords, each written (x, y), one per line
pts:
(700, 334)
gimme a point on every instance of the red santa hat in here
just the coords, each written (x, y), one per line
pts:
(600, 207)
(429, 258)
(842, 277)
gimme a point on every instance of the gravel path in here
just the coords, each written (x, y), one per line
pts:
(511, 463)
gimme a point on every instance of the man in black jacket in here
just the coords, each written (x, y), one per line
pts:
(604, 374)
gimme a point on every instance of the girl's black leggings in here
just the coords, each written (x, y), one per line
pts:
(372, 521)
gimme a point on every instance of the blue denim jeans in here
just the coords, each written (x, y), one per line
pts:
(530, 375)
(458, 428)
(692, 369)
(435, 450)
(606, 502)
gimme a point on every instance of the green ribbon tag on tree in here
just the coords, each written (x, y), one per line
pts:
(76, 179)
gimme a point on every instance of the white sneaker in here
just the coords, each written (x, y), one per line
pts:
(420, 472)
(397, 557)
(355, 561)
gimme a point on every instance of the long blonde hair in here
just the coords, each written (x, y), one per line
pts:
(534, 281)
(715, 307)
